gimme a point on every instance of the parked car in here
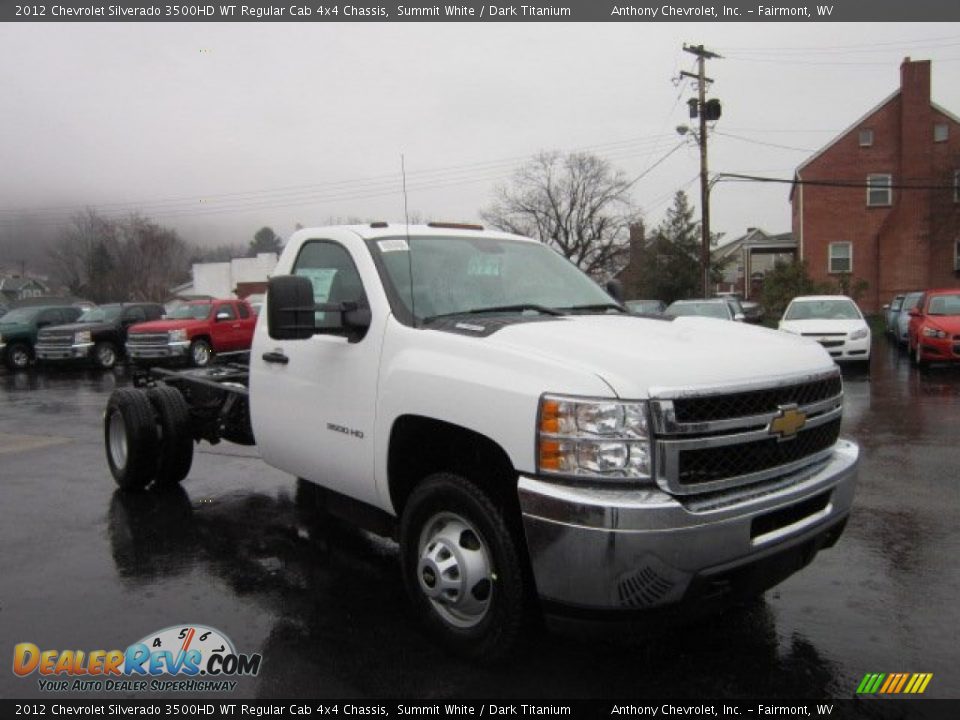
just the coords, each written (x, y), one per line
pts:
(891, 312)
(834, 321)
(910, 301)
(19, 328)
(98, 336)
(752, 311)
(934, 328)
(194, 332)
(719, 308)
(646, 307)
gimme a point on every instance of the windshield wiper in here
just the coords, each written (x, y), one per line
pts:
(520, 307)
(597, 307)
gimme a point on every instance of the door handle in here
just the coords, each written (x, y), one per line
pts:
(276, 357)
(236, 326)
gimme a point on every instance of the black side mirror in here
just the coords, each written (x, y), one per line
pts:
(290, 308)
(615, 289)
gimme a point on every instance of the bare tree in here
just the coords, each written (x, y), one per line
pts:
(107, 260)
(576, 203)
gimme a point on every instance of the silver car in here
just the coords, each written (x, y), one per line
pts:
(910, 301)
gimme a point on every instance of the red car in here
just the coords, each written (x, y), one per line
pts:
(193, 332)
(934, 330)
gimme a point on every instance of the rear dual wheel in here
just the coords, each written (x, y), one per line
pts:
(147, 436)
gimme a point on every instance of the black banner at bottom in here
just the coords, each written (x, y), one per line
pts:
(881, 709)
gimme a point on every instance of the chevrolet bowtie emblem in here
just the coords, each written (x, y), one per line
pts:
(787, 422)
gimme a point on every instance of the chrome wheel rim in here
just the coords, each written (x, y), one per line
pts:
(20, 358)
(106, 356)
(201, 354)
(118, 440)
(454, 570)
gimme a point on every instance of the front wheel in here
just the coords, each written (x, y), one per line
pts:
(462, 567)
(200, 353)
(19, 356)
(105, 355)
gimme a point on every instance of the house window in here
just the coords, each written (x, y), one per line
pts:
(941, 131)
(879, 192)
(866, 137)
(840, 259)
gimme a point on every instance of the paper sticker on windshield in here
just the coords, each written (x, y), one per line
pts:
(395, 245)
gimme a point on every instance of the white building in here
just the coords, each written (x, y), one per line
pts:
(239, 277)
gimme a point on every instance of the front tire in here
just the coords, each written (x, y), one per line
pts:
(462, 568)
(19, 356)
(200, 353)
(131, 439)
(105, 355)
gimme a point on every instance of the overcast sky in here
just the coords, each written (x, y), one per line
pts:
(219, 129)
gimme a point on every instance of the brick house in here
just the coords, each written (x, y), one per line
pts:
(883, 232)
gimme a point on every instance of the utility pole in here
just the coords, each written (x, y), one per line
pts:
(705, 112)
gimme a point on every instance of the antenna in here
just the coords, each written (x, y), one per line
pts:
(406, 225)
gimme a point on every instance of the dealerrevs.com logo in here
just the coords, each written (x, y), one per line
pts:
(197, 657)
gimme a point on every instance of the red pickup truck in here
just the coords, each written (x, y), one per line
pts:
(193, 332)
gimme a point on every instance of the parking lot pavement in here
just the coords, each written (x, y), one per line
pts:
(83, 566)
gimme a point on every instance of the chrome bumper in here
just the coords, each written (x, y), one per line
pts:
(63, 352)
(615, 549)
(173, 349)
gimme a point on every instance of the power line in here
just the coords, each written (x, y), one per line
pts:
(762, 142)
(719, 177)
(897, 43)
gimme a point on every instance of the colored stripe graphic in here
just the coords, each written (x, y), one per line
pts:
(894, 683)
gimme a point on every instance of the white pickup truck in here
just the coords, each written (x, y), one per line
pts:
(532, 445)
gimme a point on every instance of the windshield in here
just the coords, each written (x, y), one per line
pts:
(944, 305)
(911, 301)
(104, 313)
(822, 310)
(190, 312)
(21, 315)
(703, 309)
(457, 275)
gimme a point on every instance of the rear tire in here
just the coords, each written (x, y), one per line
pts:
(19, 356)
(175, 455)
(462, 568)
(131, 439)
(105, 355)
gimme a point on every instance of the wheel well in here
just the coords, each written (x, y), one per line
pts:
(421, 446)
(202, 337)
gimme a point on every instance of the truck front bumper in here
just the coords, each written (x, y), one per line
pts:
(601, 548)
(177, 349)
(76, 351)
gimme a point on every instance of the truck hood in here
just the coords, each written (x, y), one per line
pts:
(821, 326)
(76, 327)
(639, 356)
(9, 329)
(159, 326)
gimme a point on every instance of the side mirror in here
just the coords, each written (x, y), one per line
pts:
(739, 317)
(887, 306)
(914, 312)
(290, 313)
(615, 289)
(222, 315)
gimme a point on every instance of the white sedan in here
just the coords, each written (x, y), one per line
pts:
(834, 321)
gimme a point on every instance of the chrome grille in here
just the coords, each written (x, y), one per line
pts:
(54, 338)
(718, 438)
(704, 408)
(147, 339)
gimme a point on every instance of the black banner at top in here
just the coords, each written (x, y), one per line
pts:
(636, 11)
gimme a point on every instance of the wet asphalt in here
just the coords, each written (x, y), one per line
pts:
(83, 566)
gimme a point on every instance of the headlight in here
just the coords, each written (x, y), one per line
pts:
(593, 438)
(859, 334)
(81, 337)
(933, 332)
(178, 335)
